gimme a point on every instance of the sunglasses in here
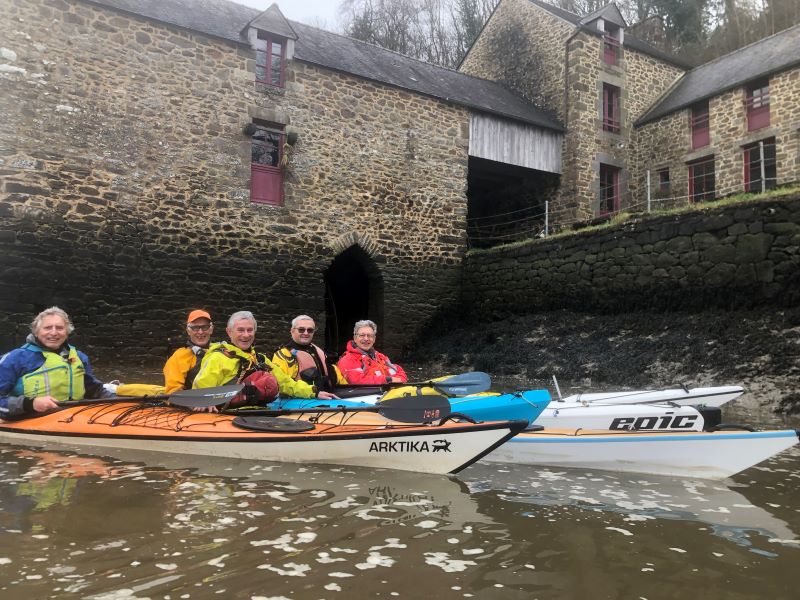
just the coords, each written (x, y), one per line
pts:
(304, 329)
(199, 327)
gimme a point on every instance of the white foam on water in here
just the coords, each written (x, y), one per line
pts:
(346, 503)
(390, 543)
(324, 558)
(622, 531)
(217, 562)
(291, 569)
(427, 524)
(471, 551)
(447, 564)
(340, 575)
(374, 560)
(333, 587)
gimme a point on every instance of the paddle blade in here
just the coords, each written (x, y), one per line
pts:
(414, 409)
(463, 384)
(205, 397)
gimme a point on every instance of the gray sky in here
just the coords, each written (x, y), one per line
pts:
(321, 13)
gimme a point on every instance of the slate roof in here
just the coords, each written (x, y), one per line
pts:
(227, 20)
(776, 53)
(628, 40)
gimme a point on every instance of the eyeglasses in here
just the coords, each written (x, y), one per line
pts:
(199, 327)
(366, 335)
(304, 329)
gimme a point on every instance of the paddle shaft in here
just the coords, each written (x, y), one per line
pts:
(471, 382)
(415, 409)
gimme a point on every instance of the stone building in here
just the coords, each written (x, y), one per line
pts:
(634, 114)
(161, 155)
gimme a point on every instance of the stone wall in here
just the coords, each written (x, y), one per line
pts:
(534, 39)
(666, 143)
(126, 183)
(729, 256)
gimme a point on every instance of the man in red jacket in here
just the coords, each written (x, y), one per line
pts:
(361, 363)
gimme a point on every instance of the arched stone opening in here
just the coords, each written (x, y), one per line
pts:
(353, 291)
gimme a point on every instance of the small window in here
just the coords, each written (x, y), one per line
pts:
(757, 105)
(760, 172)
(609, 189)
(611, 113)
(663, 180)
(266, 174)
(270, 61)
(702, 180)
(701, 133)
(611, 45)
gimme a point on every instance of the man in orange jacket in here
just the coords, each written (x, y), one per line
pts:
(181, 368)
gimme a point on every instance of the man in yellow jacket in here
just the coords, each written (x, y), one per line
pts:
(237, 361)
(303, 360)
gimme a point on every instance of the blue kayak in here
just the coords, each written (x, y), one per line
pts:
(527, 405)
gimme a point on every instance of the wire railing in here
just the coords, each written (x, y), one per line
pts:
(541, 220)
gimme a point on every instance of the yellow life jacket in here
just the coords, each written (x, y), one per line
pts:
(59, 377)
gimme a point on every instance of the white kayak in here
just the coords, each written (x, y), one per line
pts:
(558, 413)
(707, 455)
(708, 396)
(627, 416)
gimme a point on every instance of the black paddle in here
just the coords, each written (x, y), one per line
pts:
(199, 398)
(411, 409)
(463, 384)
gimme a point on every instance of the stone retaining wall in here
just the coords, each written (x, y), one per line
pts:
(738, 255)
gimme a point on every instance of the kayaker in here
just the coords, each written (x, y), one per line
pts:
(46, 370)
(238, 362)
(181, 368)
(362, 364)
(303, 360)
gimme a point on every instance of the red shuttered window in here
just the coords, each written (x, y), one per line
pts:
(756, 102)
(702, 180)
(266, 175)
(611, 45)
(609, 189)
(270, 61)
(760, 173)
(611, 113)
(701, 133)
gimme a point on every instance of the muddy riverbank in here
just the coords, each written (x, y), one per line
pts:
(757, 349)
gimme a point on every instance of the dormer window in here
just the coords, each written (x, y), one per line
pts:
(611, 44)
(270, 60)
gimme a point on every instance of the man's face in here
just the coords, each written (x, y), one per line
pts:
(200, 331)
(242, 333)
(364, 338)
(303, 332)
(52, 332)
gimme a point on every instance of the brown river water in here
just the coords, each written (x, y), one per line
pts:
(147, 525)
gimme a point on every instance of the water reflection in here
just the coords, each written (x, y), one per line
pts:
(721, 505)
(152, 525)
